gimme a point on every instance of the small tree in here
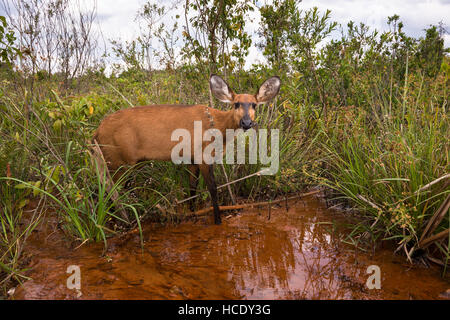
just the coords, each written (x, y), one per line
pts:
(7, 39)
(274, 29)
(307, 30)
(212, 28)
(430, 51)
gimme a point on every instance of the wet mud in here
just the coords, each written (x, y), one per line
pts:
(297, 253)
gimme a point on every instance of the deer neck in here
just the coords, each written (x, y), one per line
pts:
(223, 120)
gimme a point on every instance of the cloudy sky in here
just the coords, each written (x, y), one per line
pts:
(117, 18)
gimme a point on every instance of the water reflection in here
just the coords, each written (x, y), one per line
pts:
(294, 255)
(265, 259)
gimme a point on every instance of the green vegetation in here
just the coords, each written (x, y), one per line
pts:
(362, 113)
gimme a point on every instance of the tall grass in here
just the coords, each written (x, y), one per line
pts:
(45, 156)
(380, 163)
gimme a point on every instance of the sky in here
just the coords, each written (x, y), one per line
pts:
(117, 18)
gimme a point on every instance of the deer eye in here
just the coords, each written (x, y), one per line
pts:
(253, 105)
(237, 105)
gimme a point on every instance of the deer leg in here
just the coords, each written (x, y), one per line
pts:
(194, 171)
(208, 175)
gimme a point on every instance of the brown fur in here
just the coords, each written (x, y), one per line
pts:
(144, 133)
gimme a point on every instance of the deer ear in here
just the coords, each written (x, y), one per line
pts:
(268, 90)
(220, 89)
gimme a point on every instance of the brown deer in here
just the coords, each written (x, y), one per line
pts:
(129, 136)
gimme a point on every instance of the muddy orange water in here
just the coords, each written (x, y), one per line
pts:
(297, 254)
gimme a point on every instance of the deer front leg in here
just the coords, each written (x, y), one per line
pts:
(208, 175)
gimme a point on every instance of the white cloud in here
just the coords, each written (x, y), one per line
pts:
(117, 18)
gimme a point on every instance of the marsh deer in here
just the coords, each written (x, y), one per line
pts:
(129, 136)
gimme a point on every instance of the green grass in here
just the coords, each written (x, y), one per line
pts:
(381, 168)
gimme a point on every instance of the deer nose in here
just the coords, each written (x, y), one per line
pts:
(246, 123)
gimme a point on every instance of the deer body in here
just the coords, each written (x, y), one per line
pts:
(122, 143)
(144, 133)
